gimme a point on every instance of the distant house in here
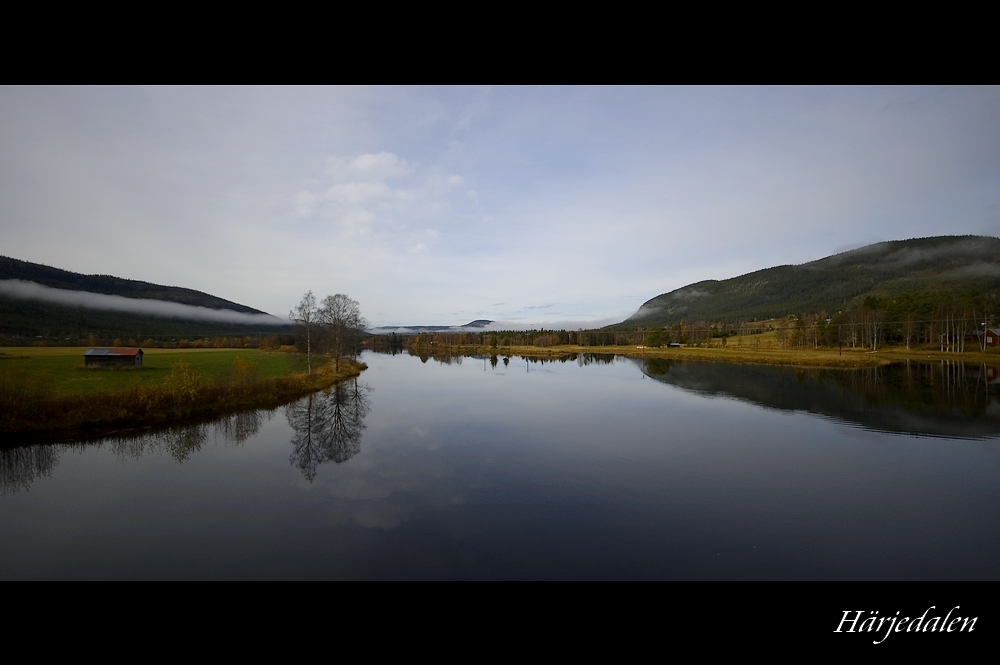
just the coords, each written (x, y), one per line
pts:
(992, 336)
(115, 357)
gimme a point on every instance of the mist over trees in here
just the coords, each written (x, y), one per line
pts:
(941, 269)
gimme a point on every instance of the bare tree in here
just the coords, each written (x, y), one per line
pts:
(305, 316)
(340, 317)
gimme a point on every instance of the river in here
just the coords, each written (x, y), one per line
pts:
(599, 467)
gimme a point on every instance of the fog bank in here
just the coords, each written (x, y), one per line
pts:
(16, 288)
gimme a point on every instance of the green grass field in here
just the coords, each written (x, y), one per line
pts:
(63, 369)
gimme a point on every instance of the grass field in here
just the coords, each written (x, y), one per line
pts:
(48, 391)
(62, 367)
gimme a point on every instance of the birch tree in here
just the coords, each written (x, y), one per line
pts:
(305, 315)
(340, 317)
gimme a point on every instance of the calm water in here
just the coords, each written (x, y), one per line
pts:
(600, 467)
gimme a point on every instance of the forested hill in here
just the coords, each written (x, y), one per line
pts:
(30, 318)
(938, 268)
(115, 286)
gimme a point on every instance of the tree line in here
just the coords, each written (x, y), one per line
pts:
(952, 324)
(334, 326)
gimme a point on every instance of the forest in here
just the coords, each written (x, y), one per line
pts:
(926, 279)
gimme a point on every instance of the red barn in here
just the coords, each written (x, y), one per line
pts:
(115, 357)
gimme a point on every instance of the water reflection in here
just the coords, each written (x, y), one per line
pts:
(947, 399)
(20, 466)
(447, 356)
(327, 426)
(579, 469)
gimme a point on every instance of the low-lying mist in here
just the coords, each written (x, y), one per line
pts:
(16, 288)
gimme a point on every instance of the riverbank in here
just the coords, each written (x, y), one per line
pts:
(29, 406)
(820, 358)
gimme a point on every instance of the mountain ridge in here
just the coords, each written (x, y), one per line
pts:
(37, 317)
(940, 264)
(58, 278)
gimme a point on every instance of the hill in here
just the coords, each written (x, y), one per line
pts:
(114, 286)
(937, 268)
(32, 317)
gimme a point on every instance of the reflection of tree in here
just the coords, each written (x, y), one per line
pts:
(20, 466)
(937, 399)
(328, 426)
(239, 427)
(180, 442)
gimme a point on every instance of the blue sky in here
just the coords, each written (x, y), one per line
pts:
(434, 206)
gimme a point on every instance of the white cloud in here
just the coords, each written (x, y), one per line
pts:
(586, 193)
(420, 247)
(369, 167)
(304, 202)
(356, 193)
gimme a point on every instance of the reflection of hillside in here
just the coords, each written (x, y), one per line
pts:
(939, 399)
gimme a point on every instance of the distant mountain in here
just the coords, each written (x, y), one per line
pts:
(409, 330)
(39, 316)
(942, 265)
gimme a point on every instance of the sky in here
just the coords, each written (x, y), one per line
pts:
(560, 207)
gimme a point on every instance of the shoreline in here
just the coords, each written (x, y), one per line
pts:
(46, 418)
(822, 358)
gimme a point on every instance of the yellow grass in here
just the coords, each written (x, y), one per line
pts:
(734, 353)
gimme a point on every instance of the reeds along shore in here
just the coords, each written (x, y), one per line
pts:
(28, 405)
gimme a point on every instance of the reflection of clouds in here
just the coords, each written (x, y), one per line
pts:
(379, 515)
(358, 488)
(400, 475)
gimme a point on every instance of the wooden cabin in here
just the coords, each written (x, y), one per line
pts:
(113, 357)
(989, 337)
(993, 337)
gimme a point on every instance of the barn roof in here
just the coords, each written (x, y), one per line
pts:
(117, 351)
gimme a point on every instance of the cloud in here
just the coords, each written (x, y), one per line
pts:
(304, 202)
(421, 247)
(369, 167)
(356, 193)
(690, 294)
(16, 288)
(644, 311)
